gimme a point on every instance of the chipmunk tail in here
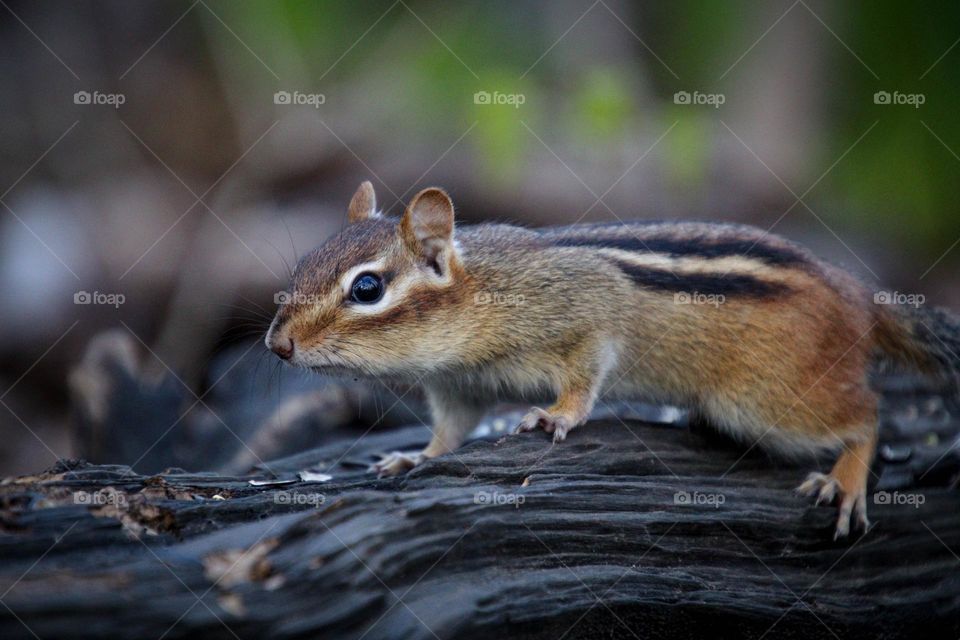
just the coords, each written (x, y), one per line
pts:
(920, 338)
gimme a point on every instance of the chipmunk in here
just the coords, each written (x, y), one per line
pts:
(750, 332)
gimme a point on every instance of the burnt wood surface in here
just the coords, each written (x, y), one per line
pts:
(625, 530)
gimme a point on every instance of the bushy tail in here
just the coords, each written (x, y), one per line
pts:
(926, 339)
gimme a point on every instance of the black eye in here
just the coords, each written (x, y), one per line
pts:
(367, 288)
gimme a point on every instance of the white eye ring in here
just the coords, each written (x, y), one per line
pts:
(390, 294)
(350, 276)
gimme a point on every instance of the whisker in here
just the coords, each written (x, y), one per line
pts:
(248, 300)
(282, 258)
(260, 312)
(296, 254)
(256, 371)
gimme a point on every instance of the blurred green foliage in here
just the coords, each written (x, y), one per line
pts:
(904, 173)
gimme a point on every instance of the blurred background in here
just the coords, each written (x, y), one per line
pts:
(163, 163)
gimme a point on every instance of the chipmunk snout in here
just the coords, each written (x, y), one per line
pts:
(283, 347)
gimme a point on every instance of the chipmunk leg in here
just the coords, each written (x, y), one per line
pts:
(847, 483)
(578, 393)
(453, 419)
(570, 411)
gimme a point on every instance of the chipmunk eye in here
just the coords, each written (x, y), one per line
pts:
(367, 288)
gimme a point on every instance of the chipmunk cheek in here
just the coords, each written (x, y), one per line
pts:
(314, 340)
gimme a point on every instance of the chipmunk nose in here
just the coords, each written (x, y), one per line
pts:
(283, 348)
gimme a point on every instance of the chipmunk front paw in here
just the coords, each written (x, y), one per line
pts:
(556, 423)
(852, 503)
(396, 463)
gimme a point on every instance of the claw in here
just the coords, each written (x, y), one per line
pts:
(852, 505)
(860, 512)
(828, 492)
(811, 486)
(536, 417)
(558, 424)
(395, 463)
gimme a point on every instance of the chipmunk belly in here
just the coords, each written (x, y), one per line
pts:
(514, 379)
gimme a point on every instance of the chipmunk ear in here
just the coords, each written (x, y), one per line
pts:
(363, 205)
(427, 228)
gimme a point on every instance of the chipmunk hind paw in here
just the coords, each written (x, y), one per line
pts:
(852, 504)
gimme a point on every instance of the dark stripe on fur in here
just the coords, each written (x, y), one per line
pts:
(703, 248)
(705, 283)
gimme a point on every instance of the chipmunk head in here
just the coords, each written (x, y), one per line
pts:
(376, 298)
